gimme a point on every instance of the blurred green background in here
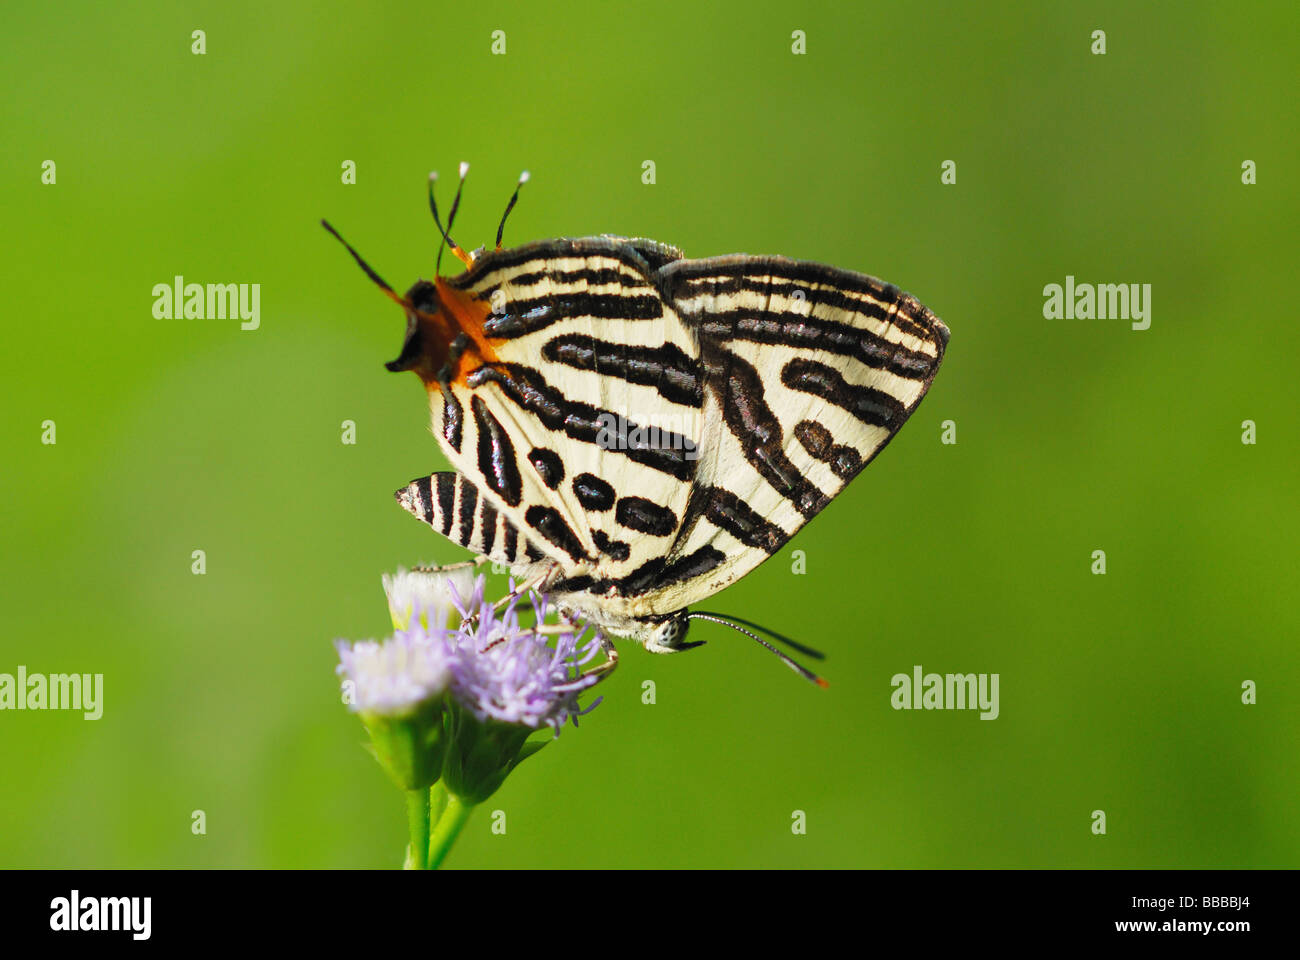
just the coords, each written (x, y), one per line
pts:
(1119, 692)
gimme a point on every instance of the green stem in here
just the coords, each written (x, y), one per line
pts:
(437, 801)
(448, 828)
(417, 816)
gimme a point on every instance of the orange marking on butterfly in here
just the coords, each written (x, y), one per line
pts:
(458, 313)
(468, 315)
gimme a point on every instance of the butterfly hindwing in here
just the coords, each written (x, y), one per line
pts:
(809, 371)
(454, 506)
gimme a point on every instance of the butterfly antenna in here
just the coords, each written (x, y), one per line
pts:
(523, 178)
(785, 658)
(433, 208)
(461, 255)
(455, 203)
(779, 637)
(370, 272)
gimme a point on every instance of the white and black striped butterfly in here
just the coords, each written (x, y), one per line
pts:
(633, 430)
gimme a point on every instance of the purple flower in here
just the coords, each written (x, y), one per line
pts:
(427, 595)
(460, 702)
(509, 673)
(494, 667)
(393, 678)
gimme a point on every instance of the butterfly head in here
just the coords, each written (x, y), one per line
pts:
(445, 336)
(669, 636)
(445, 339)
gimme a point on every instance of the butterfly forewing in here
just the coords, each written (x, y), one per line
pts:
(587, 357)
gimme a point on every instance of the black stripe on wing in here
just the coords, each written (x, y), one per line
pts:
(844, 461)
(810, 333)
(666, 367)
(521, 317)
(755, 426)
(497, 463)
(876, 408)
(639, 264)
(770, 276)
(810, 290)
(644, 256)
(728, 512)
(753, 282)
(669, 453)
(657, 573)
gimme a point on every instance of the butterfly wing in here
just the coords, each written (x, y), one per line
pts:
(657, 427)
(577, 410)
(455, 506)
(808, 372)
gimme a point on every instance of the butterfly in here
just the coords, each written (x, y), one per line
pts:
(632, 430)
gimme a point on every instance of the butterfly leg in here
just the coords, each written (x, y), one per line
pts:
(475, 563)
(553, 629)
(479, 561)
(610, 663)
(568, 625)
(539, 583)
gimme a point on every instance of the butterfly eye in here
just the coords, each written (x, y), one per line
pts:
(423, 296)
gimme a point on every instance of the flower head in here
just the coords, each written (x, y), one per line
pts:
(509, 673)
(459, 701)
(394, 677)
(398, 688)
(427, 596)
